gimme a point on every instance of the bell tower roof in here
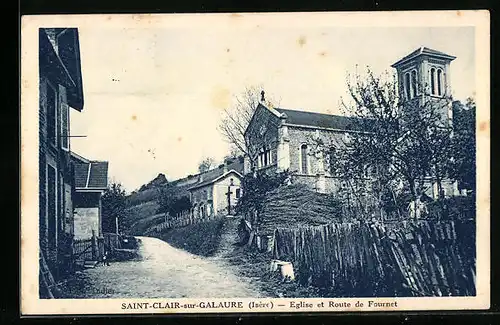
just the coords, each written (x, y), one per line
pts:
(424, 51)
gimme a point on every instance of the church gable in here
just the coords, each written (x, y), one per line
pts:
(263, 125)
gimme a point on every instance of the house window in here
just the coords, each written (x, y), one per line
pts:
(414, 85)
(51, 114)
(65, 126)
(52, 205)
(440, 82)
(331, 160)
(407, 86)
(303, 159)
(238, 193)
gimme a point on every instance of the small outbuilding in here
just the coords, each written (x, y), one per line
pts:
(91, 180)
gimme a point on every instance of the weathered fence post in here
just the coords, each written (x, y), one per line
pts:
(94, 246)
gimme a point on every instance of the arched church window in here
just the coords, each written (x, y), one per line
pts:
(440, 82)
(303, 158)
(413, 83)
(407, 86)
(433, 81)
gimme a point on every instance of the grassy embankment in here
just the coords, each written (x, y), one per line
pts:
(201, 239)
(291, 206)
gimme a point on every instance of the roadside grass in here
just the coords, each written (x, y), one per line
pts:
(139, 227)
(201, 239)
(255, 265)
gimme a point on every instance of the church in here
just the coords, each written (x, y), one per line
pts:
(286, 139)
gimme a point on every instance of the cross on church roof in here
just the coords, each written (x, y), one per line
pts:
(262, 98)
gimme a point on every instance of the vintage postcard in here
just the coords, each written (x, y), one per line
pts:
(257, 162)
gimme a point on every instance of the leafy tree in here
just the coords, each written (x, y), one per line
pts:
(206, 164)
(113, 203)
(255, 190)
(463, 166)
(170, 202)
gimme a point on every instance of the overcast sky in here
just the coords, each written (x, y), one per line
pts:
(154, 96)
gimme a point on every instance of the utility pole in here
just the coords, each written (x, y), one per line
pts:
(116, 224)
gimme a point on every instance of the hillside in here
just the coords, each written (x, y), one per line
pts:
(142, 205)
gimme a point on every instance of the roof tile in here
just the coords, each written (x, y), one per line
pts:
(321, 120)
(98, 177)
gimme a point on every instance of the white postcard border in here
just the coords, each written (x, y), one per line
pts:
(30, 302)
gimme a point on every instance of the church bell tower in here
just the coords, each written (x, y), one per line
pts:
(424, 78)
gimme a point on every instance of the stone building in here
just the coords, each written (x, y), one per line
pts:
(216, 192)
(302, 142)
(424, 77)
(91, 180)
(288, 140)
(424, 80)
(60, 88)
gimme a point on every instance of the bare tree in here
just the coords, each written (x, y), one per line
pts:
(236, 119)
(206, 164)
(392, 140)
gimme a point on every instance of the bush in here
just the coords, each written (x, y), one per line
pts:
(256, 189)
(453, 208)
(171, 203)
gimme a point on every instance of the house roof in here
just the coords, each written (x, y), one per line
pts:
(423, 51)
(61, 62)
(261, 106)
(214, 175)
(321, 120)
(90, 174)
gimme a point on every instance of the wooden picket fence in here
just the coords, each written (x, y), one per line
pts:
(176, 223)
(112, 241)
(420, 258)
(88, 249)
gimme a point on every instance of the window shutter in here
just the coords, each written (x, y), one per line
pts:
(51, 115)
(64, 126)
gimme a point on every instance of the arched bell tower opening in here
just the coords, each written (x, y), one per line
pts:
(424, 79)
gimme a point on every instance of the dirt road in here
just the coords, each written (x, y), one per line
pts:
(163, 272)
